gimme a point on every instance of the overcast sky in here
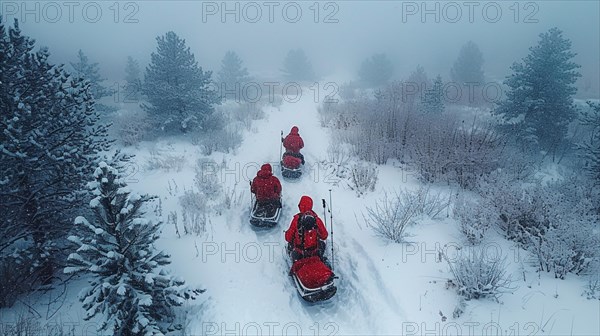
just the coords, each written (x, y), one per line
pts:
(345, 33)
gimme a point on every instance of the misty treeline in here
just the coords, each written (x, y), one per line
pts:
(496, 149)
(66, 209)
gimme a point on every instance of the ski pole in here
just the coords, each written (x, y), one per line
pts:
(331, 225)
(324, 213)
(280, 144)
(251, 198)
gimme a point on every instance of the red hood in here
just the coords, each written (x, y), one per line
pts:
(265, 171)
(294, 130)
(306, 204)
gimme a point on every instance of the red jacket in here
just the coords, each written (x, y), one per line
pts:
(265, 185)
(292, 235)
(293, 142)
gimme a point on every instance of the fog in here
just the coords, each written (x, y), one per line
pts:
(346, 32)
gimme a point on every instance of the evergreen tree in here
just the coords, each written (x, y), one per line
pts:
(419, 79)
(376, 70)
(232, 75)
(49, 139)
(133, 79)
(90, 71)
(467, 74)
(468, 67)
(433, 99)
(539, 104)
(297, 67)
(179, 93)
(590, 149)
(129, 287)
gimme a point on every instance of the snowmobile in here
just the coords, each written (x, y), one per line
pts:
(291, 165)
(264, 215)
(313, 278)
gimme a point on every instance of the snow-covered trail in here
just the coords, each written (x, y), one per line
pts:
(245, 271)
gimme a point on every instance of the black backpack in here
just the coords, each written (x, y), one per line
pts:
(307, 231)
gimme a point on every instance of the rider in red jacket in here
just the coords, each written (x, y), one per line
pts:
(266, 187)
(311, 245)
(293, 143)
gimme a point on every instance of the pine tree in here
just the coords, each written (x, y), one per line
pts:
(419, 79)
(376, 70)
(539, 104)
(590, 149)
(49, 140)
(467, 74)
(468, 67)
(297, 67)
(90, 71)
(179, 93)
(133, 80)
(128, 284)
(232, 75)
(433, 99)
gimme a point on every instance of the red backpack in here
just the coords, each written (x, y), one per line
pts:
(307, 231)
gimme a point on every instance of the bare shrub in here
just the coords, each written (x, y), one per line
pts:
(208, 178)
(222, 132)
(16, 278)
(246, 113)
(233, 198)
(445, 150)
(219, 140)
(165, 159)
(131, 127)
(194, 212)
(338, 158)
(474, 219)
(391, 216)
(592, 290)
(567, 246)
(363, 178)
(24, 325)
(522, 209)
(427, 203)
(439, 147)
(478, 275)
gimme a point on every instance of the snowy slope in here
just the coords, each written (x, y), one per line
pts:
(384, 289)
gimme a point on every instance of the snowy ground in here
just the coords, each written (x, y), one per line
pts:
(384, 289)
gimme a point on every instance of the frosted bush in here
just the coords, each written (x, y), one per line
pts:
(166, 160)
(363, 178)
(477, 275)
(474, 219)
(391, 216)
(194, 212)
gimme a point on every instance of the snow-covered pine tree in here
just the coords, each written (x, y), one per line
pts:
(90, 71)
(179, 92)
(133, 79)
(297, 67)
(376, 70)
(590, 149)
(232, 75)
(539, 104)
(433, 99)
(49, 140)
(128, 284)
